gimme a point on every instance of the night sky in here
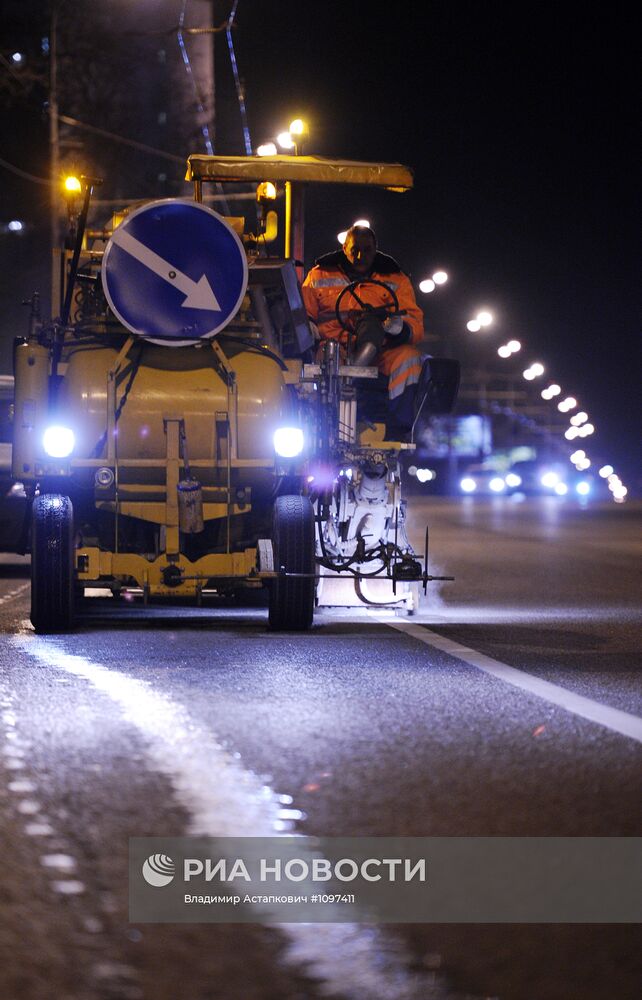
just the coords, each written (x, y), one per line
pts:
(518, 122)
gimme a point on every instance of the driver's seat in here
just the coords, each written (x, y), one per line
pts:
(372, 399)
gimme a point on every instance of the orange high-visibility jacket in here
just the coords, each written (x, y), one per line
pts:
(325, 280)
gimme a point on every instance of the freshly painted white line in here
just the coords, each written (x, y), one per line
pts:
(14, 593)
(39, 830)
(219, 794)
(21, 787)
(62, 862)
(68, 887)
(611, 718)
(28, 807)
(225, 800)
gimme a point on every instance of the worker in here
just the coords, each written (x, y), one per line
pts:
(383, 337)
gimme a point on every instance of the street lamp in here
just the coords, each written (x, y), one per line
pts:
(512, 347)
(428, 285)
(298, 132)
(294, 194)
(482, 318)
(285, 140)
(294, 137)
(341, 237)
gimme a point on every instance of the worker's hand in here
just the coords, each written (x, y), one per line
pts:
(397, 332)
(393, 325)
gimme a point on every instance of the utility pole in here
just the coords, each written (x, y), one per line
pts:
(54, 136)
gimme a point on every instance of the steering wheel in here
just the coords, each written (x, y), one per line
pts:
(386, 309)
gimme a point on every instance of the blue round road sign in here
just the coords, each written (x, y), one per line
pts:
(174, 272)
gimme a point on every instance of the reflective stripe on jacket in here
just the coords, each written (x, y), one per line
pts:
(402, 365)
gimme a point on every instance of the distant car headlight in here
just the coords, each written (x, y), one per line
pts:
(496, 484)
(468, 485)
(583, 488)
(550, 480)
(513, 480)
(58, 441)
(288, 441)
(561, 489)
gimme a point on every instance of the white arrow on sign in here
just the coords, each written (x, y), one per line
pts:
(199, 293)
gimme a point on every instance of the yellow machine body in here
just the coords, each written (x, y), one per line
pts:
(173, 486)
(165, 383)
(31, 401)
(157, 416)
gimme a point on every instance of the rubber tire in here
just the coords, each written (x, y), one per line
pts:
(52, 564)
(291, 605)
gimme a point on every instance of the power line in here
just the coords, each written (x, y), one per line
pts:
(188, 69)
(23, 173)
(66, 120)
(119, 138)
(237, 80)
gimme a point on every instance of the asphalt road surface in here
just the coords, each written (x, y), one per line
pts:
(201, 721)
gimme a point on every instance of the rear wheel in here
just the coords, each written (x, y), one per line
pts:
(292, 598)
(52, 563)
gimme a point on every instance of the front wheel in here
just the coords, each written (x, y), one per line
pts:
(52, 563)
(292, 598)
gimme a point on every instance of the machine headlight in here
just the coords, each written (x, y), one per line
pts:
(496, 484)
(583, 488)
(561, 489)
(468, 485)
(58, 441)
(513, 480)
(288, 441)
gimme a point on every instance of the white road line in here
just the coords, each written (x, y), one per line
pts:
(611, 718)
(14, 593)
(223, 799)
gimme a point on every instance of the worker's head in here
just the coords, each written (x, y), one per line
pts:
(360, 248)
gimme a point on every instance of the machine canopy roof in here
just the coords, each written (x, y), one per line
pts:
(392, 176)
